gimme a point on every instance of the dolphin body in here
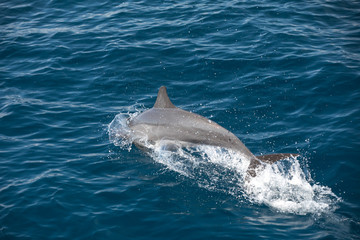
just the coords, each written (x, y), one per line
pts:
(165, 122)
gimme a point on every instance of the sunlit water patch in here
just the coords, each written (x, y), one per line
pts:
(286, 186)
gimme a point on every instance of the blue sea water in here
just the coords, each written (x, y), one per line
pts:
(283, 76)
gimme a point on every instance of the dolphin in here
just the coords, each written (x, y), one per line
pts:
(166, 122)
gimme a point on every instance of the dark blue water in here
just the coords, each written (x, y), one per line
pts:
(284, 76)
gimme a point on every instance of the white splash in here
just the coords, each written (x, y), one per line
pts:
(119, 132)
(282, 186)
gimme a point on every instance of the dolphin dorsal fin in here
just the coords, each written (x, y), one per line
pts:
(162, 100)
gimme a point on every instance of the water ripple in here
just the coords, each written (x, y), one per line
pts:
(283, 76)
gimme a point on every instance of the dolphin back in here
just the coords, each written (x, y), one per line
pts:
(166, 122)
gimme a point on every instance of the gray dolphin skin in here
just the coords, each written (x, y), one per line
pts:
(182, 128)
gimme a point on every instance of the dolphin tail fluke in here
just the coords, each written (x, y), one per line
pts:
(255, 163)
(271, 158)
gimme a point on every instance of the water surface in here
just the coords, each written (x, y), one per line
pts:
(283, 76)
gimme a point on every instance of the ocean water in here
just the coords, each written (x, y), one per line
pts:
(283, 76)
